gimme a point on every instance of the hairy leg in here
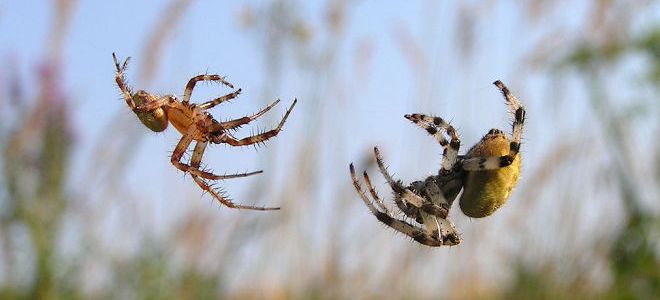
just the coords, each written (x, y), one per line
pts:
(195, 162)
(435, 126)
(260, 137)
(121, 81)
(242, 121)
(197, 156)
(448, 237)
(518, 115)
(193, 81)
(408, 195)
(216, 101)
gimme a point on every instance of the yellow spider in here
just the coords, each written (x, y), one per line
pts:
(487, 174)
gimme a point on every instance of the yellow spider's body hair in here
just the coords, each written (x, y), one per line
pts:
(486, 191)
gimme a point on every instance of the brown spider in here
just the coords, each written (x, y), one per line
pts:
(195, 123)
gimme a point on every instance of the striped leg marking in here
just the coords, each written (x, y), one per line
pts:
(241, 121)
(435, 126)
(446, 236)
(263, 136)
(406, 194)
(518, 115)
(187, 93)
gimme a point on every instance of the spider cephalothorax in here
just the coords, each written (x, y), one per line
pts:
(487, 174)
(195, 124)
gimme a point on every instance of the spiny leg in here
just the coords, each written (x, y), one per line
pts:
(260, 137)
(358, 188)
(121, 82)
(195, 162)
(409, 210)
(373, 193)
(191, 84)
(435, 126)
(224, 200)
(216, 101)
(197, 156)
(242, 121)
(518, 113)
(496, 162)
(407, 194)
(416, 233)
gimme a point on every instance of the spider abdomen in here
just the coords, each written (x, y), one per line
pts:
(486, 191)
(155, 120)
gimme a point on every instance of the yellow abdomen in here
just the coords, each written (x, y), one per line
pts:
(486, 191)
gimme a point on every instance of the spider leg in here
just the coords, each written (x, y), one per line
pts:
(226, 201)
(195, 162)
(260, 137)
(363, 195)
(242, 121)
(490, 162)
(196, 158)
(216, 101)
(495, 162)
(434, 126)
(407, 194)
(151, 105)
(448, 238)
(373, 193)
(191, 84)
(411, 210)
(518, 115)
(121, 81)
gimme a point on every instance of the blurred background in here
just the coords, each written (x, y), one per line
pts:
(90, 206)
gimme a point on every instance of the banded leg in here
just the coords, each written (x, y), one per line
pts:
(447, 235)
(260, 137)
(363, 195)
(242, 121)
(121, 81)
(197, 155)
(408, 195)
(195, 162)
(373, 193)
(518, 115)
(216, 101)
(495, 162)
(191, 84)
(435, 126)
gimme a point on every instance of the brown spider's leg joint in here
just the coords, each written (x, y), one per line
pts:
(121, 82)
(180, 148)
(191, 84)
(195, 161)
(193, 168)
